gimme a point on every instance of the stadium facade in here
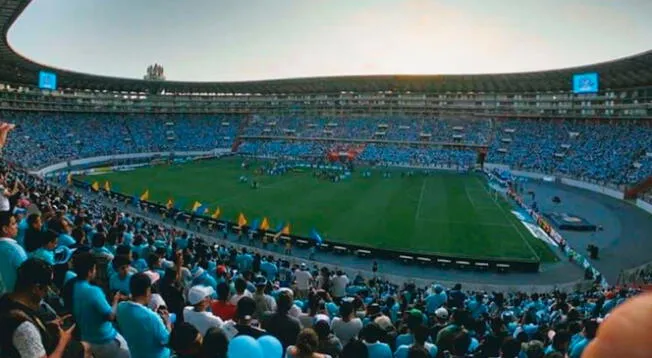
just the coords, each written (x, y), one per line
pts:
(625, 91)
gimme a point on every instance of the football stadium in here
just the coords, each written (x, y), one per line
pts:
(479, 215)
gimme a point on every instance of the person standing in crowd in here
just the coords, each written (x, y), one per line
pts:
(92, 311)
(347, 326)
(281, 325)
(22, 332)
(13, 255)
(372, 334)
(33, 232)
(146, 332)
(222, 307)
(338, 286)
(200, 299)
(420, 340)
(303, 279)
(265, 304)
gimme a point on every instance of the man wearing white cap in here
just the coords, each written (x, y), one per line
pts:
(303, 278)
(197, 315)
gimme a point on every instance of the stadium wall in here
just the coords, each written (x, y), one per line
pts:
(105, 158)
(644, 205)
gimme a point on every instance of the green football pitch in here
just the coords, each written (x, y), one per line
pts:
(444, 212)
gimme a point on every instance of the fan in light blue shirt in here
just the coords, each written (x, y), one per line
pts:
(144, 330)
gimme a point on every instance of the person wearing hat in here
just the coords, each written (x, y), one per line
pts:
(199, 298)
(265, 304)
(441, 321)
(147, 333)
(303, 279)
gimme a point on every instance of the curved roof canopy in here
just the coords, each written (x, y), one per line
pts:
(629, 72)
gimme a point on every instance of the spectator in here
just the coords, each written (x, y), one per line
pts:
(328, 343)
(92, 312)
(200, 299)
(146, 332)
(240, 290)
(214, 344)
(12, 254)
(303, 279)
(265, 304)
(348, 326)
(46, 248)
(186, 341)
(339, 283)
(355, 349)
(420, 340)
(222, 307)
(22, 332)
(33, 232)
(120, 279)
(245, 325)
(281, 325)
(372, 334)
(306, 346)
(590, 329)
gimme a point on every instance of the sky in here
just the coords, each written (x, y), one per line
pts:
(238, 40)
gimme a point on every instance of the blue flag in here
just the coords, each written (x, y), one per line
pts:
(279, 227)
(315, 236)
(255, 224)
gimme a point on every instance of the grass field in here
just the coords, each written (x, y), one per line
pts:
(447, 213)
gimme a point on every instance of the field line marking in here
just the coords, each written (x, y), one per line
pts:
(423, 187)
(511, 222)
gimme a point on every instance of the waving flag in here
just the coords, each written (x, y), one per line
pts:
(264, 225)
(170, 204)
(69, 178)
(286, 229)
(216, 214)
(96, 186)
(242, 220)
(255, 224)
(195, 206)
(107, 186)
(145, 196)
(315, 236)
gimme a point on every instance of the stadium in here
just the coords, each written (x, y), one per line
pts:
(520, 183)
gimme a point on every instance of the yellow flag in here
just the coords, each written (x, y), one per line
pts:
(264, 225)
(145, 195)
(196, 206)
(216, 214)
(286, 230)
(96, 186)
(242, 220)
(169, 204)
(69, 179)
(107, 186)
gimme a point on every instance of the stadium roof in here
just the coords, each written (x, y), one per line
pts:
(629, 72)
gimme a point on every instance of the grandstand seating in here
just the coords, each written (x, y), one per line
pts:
(606, 152)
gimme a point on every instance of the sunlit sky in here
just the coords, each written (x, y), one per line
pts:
(232, 40)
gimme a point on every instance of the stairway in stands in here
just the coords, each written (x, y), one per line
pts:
(244, 123)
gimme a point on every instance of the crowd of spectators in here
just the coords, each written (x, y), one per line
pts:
(606, 152)
(395, 128)
(79, 277)
(46, 138)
